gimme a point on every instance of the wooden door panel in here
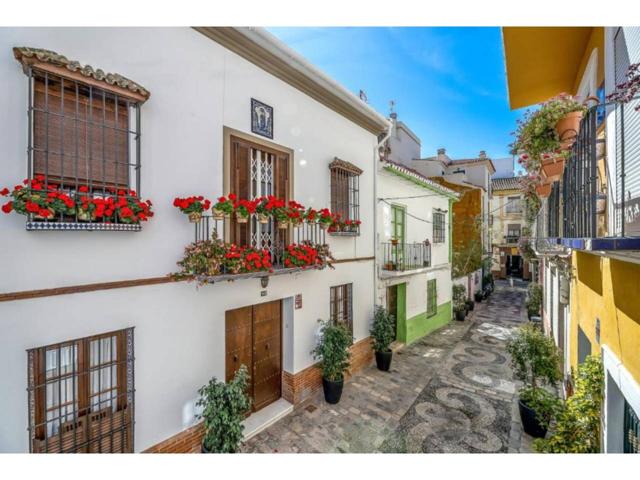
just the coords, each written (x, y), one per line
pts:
(238, 341)
(267, 356)
(266, 391)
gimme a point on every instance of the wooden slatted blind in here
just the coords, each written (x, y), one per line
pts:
(81, 134)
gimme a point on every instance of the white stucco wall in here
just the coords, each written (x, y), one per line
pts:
(404, 147)
(197, 87)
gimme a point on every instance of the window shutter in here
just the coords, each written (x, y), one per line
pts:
(239, 184)
(78, 134)
(282, 177)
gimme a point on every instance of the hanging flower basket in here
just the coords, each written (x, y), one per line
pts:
(241, 218)
(263, 218)
(219, 214)
(195, 217)
(283, 225)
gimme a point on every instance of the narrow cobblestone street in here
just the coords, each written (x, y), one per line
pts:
(452, 391)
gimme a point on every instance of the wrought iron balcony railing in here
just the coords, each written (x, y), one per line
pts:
(596, 204)
(262, 236)
(405, 256)
(511, 239)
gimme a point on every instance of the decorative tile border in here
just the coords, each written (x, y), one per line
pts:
(81, 226)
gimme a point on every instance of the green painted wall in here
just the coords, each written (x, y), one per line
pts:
(416, 327)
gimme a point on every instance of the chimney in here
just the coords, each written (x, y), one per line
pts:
(482, 154)
(442, 155)
(441, 151)
(394, 115)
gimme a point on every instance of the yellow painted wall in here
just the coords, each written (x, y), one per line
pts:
(607, 289)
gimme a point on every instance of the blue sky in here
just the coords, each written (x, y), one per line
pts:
(449, 84)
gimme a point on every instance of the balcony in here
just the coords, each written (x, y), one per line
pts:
(596, 203)
(511, 239)
(399, 258)
(264, 237)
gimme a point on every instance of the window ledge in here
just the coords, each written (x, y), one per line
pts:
(82, 226)
(344, 234)
(230, 277)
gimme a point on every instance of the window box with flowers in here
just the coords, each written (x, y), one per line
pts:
(83, 164)
(193, 206)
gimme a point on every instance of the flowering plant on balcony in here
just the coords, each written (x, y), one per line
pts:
(244, 209)
(192, 206)
(350, 225)
(261, 209)
(295, 212)
(628, 90)
(326, 219)
(129, 208)
(301, 255)
(224, 207)
(201, 258)
(310, 215)
(536, 132)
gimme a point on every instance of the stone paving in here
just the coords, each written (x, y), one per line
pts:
(451, 391)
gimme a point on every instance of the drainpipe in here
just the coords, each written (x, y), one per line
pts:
(376, 161)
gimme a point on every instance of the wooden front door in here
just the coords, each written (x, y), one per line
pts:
(254, 339)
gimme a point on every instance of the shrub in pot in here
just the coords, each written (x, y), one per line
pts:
(224, 406)
(478, 296)
(382, 335)
(577, 426)
(459, 298)
(535, 360)
(470, 305)
(534, 300)
(333, 353)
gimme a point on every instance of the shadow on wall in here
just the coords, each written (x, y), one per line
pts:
(589, 272)
(624, 279)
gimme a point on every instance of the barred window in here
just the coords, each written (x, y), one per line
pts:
(438, 227)
(345, 193)
(83, 133)
(81, 395)
(341, 306)
(432, 298)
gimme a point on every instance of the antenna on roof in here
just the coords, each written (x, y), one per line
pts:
(363, 96)
(392, 109)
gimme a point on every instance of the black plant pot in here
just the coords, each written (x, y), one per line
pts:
(478, 297)
(203, 449)
(332, 390)
(383, 360)
(470, 305)
(530, 423)
(460, 315)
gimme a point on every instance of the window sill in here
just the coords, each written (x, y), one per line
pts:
(82, 226)
(230, 277)
(344, 234)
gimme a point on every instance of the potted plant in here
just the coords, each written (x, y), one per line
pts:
(224, 207)
(534, 300)
(459, 301)
(326, 219)
(333, 353)
(478, 296)
(470, 304)
(394, 241)
(382, 335)
(224, 406)
(535, 360)
(261, 210)
(192, 206)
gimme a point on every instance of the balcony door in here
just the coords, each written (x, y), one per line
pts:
(398, 229)
(256, 170)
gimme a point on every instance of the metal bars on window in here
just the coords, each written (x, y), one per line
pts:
(553, 217)
(84, 141)
(341, 306)
(345, 195)
(631, 430)
(438, 227)
(81, 395)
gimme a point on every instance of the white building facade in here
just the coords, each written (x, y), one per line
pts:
(159, 340)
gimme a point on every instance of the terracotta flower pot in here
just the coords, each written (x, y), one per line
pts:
(263, 218)
(568, 128)
(195, 217)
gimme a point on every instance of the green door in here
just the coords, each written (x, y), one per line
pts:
(398, 222)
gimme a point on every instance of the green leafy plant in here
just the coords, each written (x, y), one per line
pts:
(536, 134)
(223, 409)
(467, 253)
(545, 404)
(577, 429)
(459, 297)
(382, 329)
(534, 300)
(535, 360)
(333, 351)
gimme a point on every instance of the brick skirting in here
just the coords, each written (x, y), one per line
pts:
(295, 388)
